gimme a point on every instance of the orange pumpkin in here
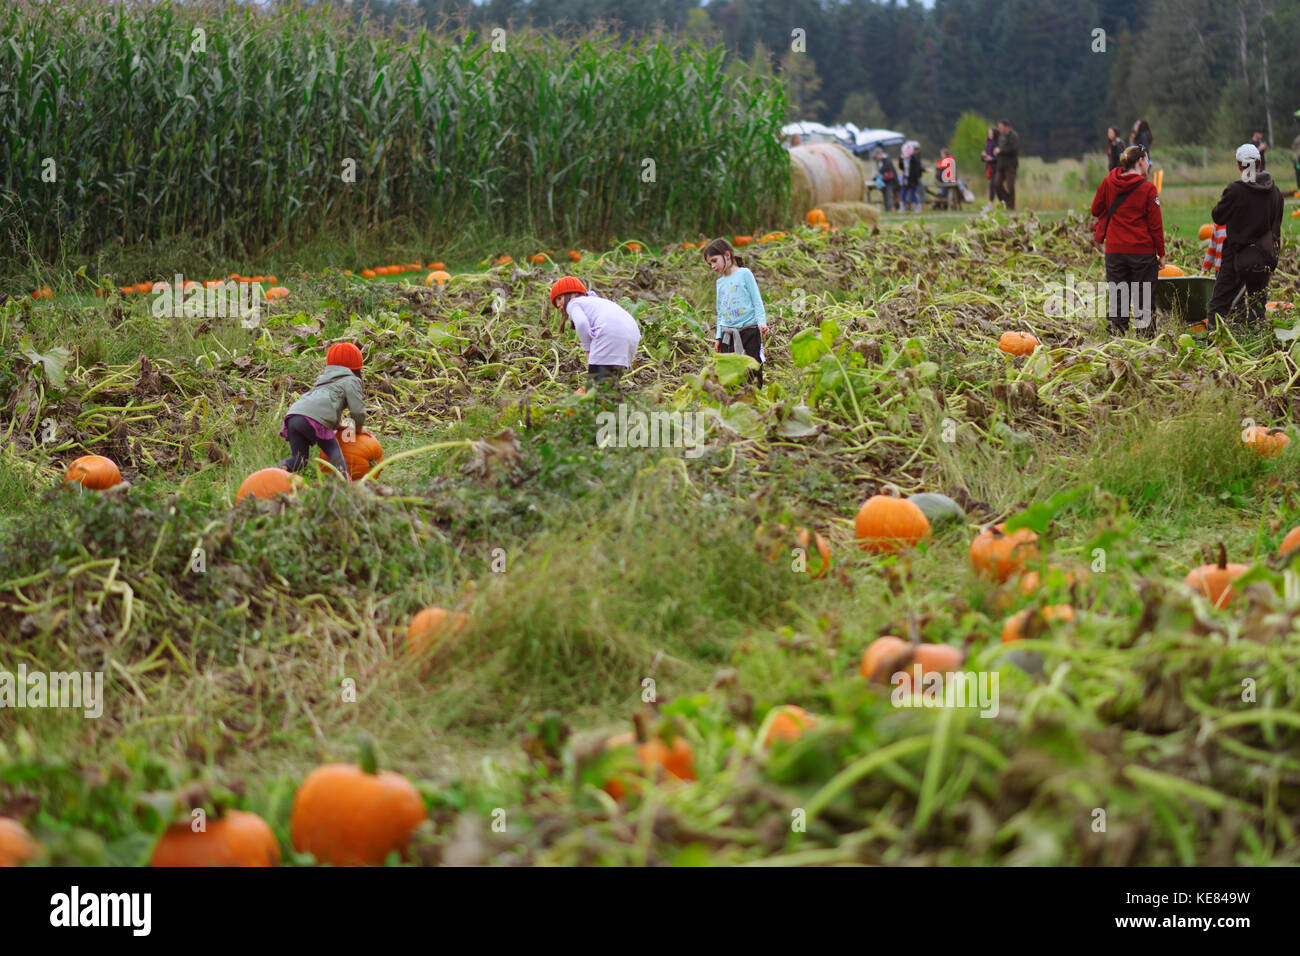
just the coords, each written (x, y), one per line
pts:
(503, 261)
(1017, 343)
(823, 550)
(361, 454)
(741, 240)
(355, 815)
(815, 217)
(1206, 231)
(368, 273)
(789, 723)
(267, 483)
(437, 266)
(878, 652)
(930, 659)
(885, 524)
(1266, 442)
(574, 255)
(437, 276)
(44, 292)
(1214, 581)
(1014, 629)
(1170, 271)
(677, 760)
(16, 844)
(1291, 541)
(236, 839)
(537, 258)
(277, 292)
(997, 555)
(429, 626)
(94, 471)
(634, 247)
(1030, 582)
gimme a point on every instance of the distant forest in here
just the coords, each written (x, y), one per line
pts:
(1203, 72)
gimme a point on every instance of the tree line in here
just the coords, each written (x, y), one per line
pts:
(1204, 72)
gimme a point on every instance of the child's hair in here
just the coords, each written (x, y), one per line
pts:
(721, 247)
(1129, 158)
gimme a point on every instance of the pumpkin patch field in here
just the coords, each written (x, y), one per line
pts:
(501, 640)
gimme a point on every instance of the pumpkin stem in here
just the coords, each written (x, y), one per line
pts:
(639, 722)
(1223, 557)
(369, 760)
(892, 489)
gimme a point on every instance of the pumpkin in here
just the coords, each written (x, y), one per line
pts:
(429, 626)
(741, 240)
(1017, 343)
(271, 279)
(355, 815)
(676, 760)
(634, 247)
(438, 266)
(267, 483)
(1206, 231)
(878, 653)
(938, 509)
(574, 255)
(361, 454)
(1030, 581)
(503, 261)
(885, 524)
(815, 217)
(787, 722)
(277, 292)
(537, 257)
(94, 471)
(1170, 271)
(44, 292)
(1015, 627)
(1275, 306)
(1214, 581)
(16, 844)
(437, 276)
(997, 555)
(368, 273)
(1265, 441)
(931, 659)
(823, 550)
(235, 839)
(1290, 542)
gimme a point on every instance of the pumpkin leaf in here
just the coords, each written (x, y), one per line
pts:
(52, 362)
(806, 348)
(830, 331)
(740, 419)
(1039, 515)
(800, 424)
(733, 368)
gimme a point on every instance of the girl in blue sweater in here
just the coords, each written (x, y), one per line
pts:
(742, 320)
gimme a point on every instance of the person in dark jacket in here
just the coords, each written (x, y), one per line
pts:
(1251, 209)
(1007, 152)
(889, 179)
(1114, 147)
(911, 173)
(1142, 135)
(990, 162)
(1130, 224)
(1257, 140)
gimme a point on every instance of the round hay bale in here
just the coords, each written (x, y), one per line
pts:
(824, 173)
(841, 215)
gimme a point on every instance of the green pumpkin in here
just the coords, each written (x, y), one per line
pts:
(940, 509)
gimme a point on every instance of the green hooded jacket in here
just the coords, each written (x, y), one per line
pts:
(334, 389)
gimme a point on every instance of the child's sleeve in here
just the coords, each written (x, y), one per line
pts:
(581, 323)
(756, 297)
(356, 402)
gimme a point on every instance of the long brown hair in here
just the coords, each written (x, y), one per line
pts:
(721, 247)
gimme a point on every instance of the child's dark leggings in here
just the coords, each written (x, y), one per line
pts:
(302, 438)
(748, 340)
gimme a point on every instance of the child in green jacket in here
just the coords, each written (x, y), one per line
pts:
(313, 419)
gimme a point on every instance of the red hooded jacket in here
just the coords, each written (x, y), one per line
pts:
(1137, 226)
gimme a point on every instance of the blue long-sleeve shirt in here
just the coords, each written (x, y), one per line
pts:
(739, 301)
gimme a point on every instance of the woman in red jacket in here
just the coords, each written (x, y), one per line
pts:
(1130, 225)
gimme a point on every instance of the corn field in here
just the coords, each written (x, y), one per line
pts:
(135, 123)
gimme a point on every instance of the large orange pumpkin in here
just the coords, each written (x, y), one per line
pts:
(354, 815)
(93, 471)
(361, 454)
(16, 844)
(815, 217)
(1017, 343)
(1206, 231)
(429, 626)
(237, 838)
(1291, 541)
(741, 240)
(997, 555)
(677, 760)
(1214, 581)
(1265, 441)
(885, 524)
(267, 483)
(1170, 271)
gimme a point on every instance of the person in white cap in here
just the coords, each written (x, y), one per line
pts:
(1251, 209)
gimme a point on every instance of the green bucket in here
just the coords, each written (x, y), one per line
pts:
(1188, 297)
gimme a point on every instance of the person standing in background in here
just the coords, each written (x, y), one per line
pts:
(1007, 152)
(888, 180)
(911, 173)
(990, 163)
(1131, 230)
(1257, 140)
(1141, 135)
(1114, 147)
(1251, 209)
